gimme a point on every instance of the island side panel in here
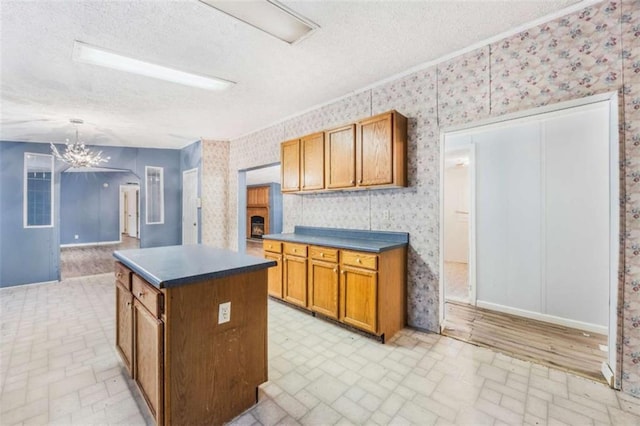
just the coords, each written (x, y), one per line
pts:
(213, 370)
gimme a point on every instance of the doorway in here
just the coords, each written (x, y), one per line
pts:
(130, 210)
(262, 213)
(530, 240)
(190, 206)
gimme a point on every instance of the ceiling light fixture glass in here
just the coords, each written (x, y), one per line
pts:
(269, 16)
(76, 154)
(88, 54)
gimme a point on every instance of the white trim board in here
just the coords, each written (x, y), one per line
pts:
(593, 328)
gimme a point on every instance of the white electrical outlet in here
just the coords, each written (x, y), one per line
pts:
(75, 237)
(386, 215)
(224, 312)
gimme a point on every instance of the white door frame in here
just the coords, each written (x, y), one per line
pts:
(185, 174)
(612, 369)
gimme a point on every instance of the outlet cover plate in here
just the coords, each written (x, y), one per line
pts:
(224, 312)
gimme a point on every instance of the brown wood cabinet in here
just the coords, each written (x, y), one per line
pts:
(361, 289)
(124, 326)
(359, 304)
(290, 165)
(371, 153)
(258, 196)
(312, 162)
(323, 281)
(295, 274)
(190, 369)
(340, 157)
(381, 150)
(275, 275)
(148, 358)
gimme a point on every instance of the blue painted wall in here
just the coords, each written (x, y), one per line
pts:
(34, 254)
(90, 209)
(28, 255)
(191, 158)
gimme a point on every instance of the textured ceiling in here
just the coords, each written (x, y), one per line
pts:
(358, 43)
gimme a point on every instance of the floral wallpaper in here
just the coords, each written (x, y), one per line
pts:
(594, 50)
(215, 171)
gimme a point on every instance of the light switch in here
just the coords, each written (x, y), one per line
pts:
(224, 312)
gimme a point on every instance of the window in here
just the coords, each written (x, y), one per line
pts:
(38, 190)
(154, 192)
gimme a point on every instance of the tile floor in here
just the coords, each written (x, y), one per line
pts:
(58, 366)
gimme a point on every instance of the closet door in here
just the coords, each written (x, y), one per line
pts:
(508, 217)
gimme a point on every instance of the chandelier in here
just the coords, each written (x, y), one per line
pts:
(76, 154)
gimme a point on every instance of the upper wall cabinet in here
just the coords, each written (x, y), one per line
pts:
(369, 154)
(340, 157)
(290, 165)
(381, 150)
(312, 162)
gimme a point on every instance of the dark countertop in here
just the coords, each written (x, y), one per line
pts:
(350, 239)
(174, 266)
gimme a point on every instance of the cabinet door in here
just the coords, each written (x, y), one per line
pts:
(124, 328)
(312, 165)
(359, 298)
(258, 196)
(290, 165)
(148, 358)
(375, 151)
(340, 157)
(323, 288)
(295, 280)
(275, 275)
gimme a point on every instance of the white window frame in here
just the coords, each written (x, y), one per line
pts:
(147, 169)
(25, 200)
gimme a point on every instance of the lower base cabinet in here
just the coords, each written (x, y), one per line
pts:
(323, 288)
(361, 289)
(190, 369)
(148, 361)
(359, 301)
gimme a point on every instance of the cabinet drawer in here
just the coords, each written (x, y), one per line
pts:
(148, 295)
(323, 253)
(295, 249)
(361, 260)
(272, 246)
(123, 275)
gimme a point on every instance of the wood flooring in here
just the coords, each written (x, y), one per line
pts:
(254, 247)
(92, 260)
(553, 345)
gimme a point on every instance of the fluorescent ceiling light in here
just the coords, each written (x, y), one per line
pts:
(267, 15)
(88, 54)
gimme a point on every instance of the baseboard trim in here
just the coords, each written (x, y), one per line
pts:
(102, 243)
(593, 328)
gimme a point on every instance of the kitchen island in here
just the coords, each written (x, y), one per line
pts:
(192, 330)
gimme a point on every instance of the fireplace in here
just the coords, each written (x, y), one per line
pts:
(257, 226)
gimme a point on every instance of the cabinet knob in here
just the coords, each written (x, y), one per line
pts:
(295, 250)
(140, 293)
(359, 180)
(342, 272)
(358, 260)
(321, 254)
(352, 181)
(128, 304)
(119, 275)
(335, 269)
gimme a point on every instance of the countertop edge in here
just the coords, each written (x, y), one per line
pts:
(309, 239)
(176, 282)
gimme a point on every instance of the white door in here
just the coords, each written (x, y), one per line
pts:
(132, 211)
(190, 207)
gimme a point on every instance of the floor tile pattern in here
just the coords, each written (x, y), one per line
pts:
(58, 366)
